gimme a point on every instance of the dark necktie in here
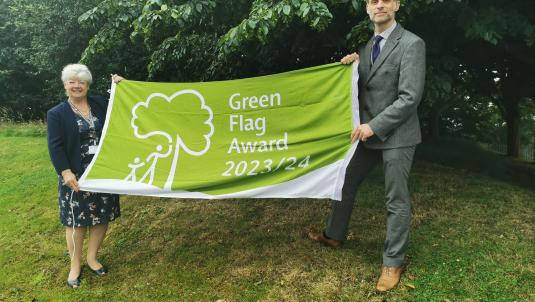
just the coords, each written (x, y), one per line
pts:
(376, 48)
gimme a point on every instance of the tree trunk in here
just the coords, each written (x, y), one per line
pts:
(434, 119)
(169, 183)
(512, 118)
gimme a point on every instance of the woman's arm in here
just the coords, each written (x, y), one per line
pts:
(56, 149)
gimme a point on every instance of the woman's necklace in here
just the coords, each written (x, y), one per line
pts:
(88, 119)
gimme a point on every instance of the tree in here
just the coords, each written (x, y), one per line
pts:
(191, 132)
(199, 40)
(37, 39)
(478, 51)
(19, 81)
(489, 42)
(504, 32)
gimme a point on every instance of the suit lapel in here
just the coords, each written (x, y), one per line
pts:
(391, 43)
(366, 59)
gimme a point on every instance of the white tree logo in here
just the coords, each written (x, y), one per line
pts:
(188, 105)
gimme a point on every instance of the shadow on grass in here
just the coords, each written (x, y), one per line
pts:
(467, 155)
(257, 245)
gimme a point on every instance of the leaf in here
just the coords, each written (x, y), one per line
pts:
(164, 7)
(84, 17)
(187, 10)
(355, 5)
(306, 10)
(265, 29)
(252, 24)
(410, 285)
(286, 10)
(198, 7)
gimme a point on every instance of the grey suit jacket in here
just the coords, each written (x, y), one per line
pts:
(391, 89)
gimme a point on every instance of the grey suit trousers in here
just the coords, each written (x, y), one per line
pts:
(397, 163)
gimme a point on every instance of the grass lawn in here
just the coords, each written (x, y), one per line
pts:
(472, 240)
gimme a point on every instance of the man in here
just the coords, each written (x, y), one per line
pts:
(391, 83)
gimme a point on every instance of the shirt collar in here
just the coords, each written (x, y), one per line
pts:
(385, 34)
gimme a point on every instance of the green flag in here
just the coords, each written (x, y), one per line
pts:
(282, 135)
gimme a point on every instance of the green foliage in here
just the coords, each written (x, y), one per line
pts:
(493, 24)
(197, 40)
(271, 36)
(158, 20)
(527, 124)
(37, 38)
(481, 50)
(266, 16)
(476, 50)
(173, 39)
(110, 49)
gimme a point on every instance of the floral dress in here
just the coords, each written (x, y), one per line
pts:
(86, 208)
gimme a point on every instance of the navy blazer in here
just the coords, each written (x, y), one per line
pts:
(63, 136)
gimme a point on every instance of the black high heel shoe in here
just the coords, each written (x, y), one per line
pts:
(99, 272)
(74, 283)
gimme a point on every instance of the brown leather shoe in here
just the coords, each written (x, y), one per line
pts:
(322, 238)
(390, 276)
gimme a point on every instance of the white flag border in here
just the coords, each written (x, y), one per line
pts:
(315, 184)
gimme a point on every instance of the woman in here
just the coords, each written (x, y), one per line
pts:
(74, 129)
